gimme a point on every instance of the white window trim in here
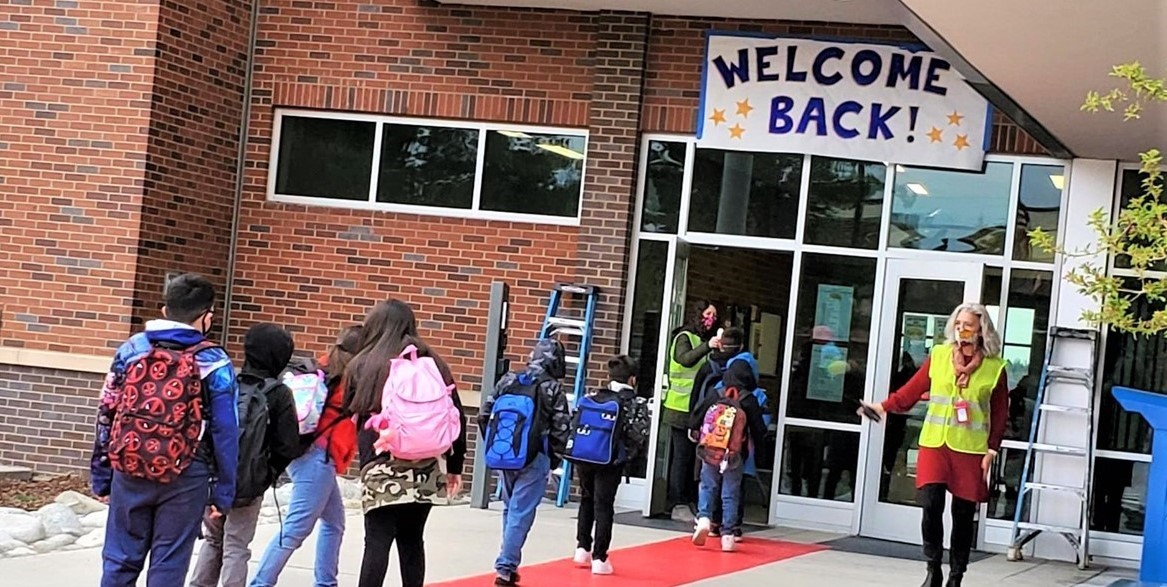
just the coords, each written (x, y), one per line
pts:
(371, 204)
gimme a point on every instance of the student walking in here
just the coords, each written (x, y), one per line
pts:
(158, 475)
(315, 492)
(526, 420)
(407, 464)
(610, 429)
(269, 440)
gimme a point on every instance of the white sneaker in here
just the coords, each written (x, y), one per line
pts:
(601, 567)
(582, 558)
(728, 544)
(702, 531)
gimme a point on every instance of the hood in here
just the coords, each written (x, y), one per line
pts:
(169, 331)
(548, 357)
(267, 348)
(741, 376)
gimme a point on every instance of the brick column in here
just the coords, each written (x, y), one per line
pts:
(610, 188)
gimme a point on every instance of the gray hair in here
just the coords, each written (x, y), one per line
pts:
(990, 338)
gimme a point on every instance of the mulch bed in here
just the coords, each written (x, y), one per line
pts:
(35, 494)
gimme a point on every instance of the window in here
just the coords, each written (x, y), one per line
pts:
(845, 203)
(955, 211)
(751, 194)
(663, 183)
(459, 169)
(325, 158)
(819, 464)
(1039, 206)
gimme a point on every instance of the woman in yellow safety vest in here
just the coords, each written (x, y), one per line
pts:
(968, 409)
(688, 349)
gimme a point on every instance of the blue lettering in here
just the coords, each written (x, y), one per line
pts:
(815, 112)
(764, 53)
(791, 74)
(730, 72)
(879, 120)
(820, 60)
(848, 107)
(780, 120)
(870, 58)
(934, 68)
(899, 70)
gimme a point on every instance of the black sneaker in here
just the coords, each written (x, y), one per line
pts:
(504, 582)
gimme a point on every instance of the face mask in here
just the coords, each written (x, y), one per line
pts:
(966, 336)
(708, 322)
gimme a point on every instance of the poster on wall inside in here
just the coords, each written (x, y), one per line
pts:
(860, 101)
(828, 371)
(832, 312)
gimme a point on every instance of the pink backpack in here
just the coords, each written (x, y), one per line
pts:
(418, 419)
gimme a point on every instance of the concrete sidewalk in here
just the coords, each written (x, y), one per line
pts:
(463, 542)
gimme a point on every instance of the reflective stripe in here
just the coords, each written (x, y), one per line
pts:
(681, 378)
(942, 421)
(940, 426)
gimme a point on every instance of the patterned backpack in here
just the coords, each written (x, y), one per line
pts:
(159, 418)
(723, 432)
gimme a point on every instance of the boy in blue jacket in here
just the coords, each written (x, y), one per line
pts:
(167, 437)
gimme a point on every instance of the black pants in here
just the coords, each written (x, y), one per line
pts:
(404, 523)
(597, 505)
(931, 498)
(682, 468)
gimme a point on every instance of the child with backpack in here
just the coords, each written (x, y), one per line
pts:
(157, 472)
(526, 423)
(610, 428)
(269, 440)
(315, 492)
(721, 420)
(411, 439)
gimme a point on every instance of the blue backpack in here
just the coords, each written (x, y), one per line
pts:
(514, 435)
(596, 432)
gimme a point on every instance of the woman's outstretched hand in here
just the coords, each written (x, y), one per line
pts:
(866, 410)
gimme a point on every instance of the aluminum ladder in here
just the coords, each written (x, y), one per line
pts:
(575, 325)
(1075, 380)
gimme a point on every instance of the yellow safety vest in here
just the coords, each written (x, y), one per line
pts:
(681, 378)
(940, 425)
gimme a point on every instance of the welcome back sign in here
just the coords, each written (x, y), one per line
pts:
(837, 99)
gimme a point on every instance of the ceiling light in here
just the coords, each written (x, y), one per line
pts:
(900, 169)
(1059, 181)
(918, 189)
(561, 150)
(514, 134)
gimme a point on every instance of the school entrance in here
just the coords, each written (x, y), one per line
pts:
(842, 274)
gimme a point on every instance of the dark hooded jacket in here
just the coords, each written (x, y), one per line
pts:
(548, 365)
(267, 348)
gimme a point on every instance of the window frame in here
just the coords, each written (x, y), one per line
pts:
(371, 204)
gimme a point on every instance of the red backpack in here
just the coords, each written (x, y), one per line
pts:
(159, 417)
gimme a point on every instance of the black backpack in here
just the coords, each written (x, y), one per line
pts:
(254, 475)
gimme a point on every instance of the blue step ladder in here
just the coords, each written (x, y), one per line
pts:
(567, 327)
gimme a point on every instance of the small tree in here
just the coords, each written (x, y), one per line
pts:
(1138, 237)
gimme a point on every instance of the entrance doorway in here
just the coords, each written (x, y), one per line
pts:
(918, 298)
(751, 290)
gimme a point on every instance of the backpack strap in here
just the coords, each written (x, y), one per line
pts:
(410, 352)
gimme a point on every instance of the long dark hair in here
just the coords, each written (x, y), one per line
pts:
(348, 342)
(388, 329)
(693, 323)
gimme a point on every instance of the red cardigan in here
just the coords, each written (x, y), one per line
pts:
(339, 438)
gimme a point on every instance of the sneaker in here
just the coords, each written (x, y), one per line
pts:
(728, 544)
(702, 532)
(737, 535)
(601, 568)
(582, 557)
(501, 581)
(682, 513)
(715, 531)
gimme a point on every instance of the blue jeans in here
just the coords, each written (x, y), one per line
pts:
(161, 520)
(522, 492)
(729, 486)
(315, 496)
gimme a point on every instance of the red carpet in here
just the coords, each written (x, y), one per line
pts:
(658, 564)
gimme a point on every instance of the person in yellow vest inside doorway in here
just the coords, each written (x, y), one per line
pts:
(968, 409)
(688, 349)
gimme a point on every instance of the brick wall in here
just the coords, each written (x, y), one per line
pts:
(197, 107)
(74, 97)
(46, 420)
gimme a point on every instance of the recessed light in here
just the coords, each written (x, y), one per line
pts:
(900, 169)
(514, 134)
(918, 189)
(563, 151)
(1059, 181)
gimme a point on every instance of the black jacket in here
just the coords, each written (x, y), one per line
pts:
(267, 349)
(548, 365)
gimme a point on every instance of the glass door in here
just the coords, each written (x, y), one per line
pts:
(918, 296)
(655, 491)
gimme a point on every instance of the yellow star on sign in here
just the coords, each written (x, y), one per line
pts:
(718, 116)
(736, 131)
(955, 118)
(936, 135)
(961, 142)
(744, 108)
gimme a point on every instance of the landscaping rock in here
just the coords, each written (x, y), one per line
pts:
(95, 520)
(59, 519)
(92, 539)
(283, 495)
(22, 551)
(8, 543)
(80, 503)
(54, 543)
(25, 527)
(349, 489)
